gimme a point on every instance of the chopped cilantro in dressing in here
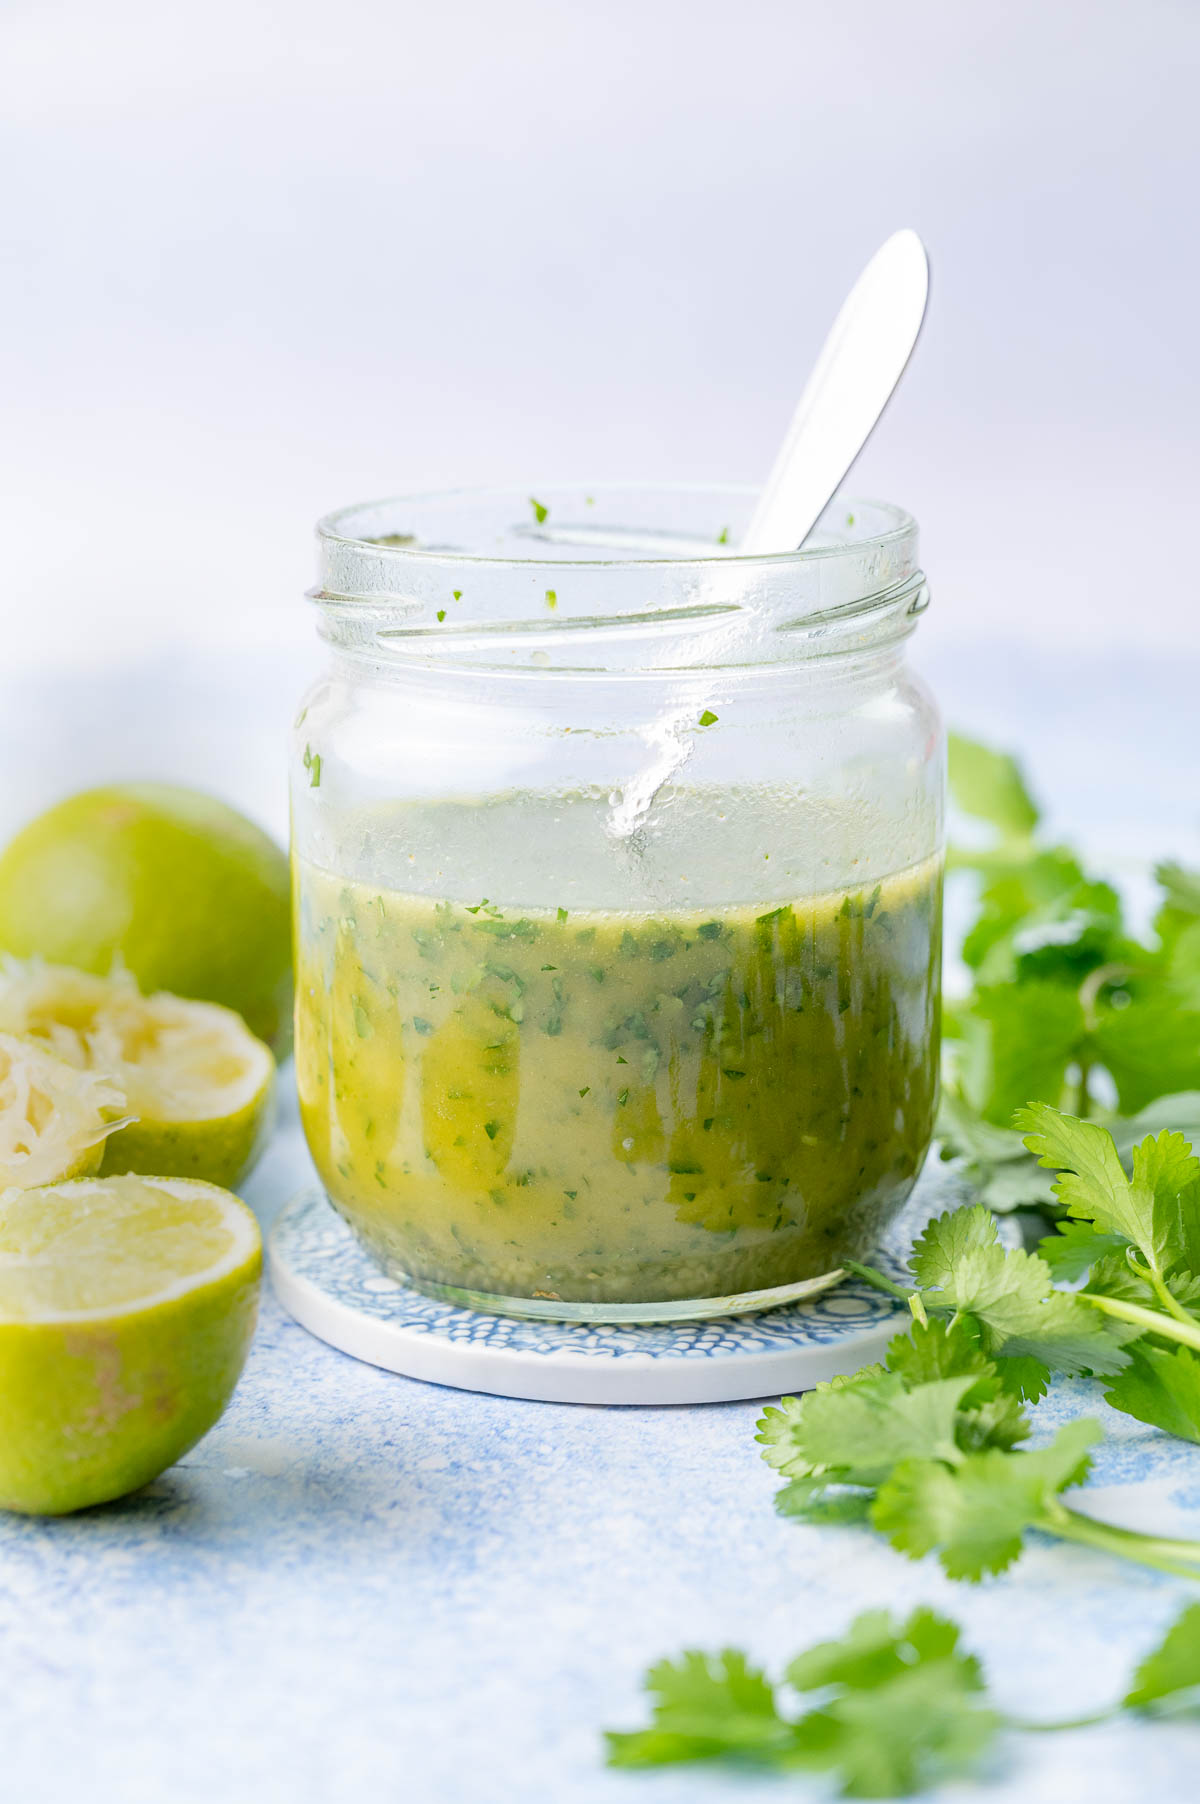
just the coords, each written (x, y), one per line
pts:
(730, 1100)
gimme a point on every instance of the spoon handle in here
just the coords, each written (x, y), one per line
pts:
(860, 363)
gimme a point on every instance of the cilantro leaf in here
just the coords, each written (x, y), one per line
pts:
(1161, 1388)
(1092, 1182)
(1149, 1047)
(1183, 964)
(776, 1423)
(1177, 920)
(1018, 1041)
(700, 1685)
(1113, 1275)
(996, 1162)
(1074, 1248)
(934, 1434)
(1011, 1295)
(1153, 1211)
(946, 1241)
(902, 1705)
(725, 1693)
(1178, 1112)
(906, 1710)
(903, 1709)
(1063, 994)
(1171, 1673)
(1046, 920)
(990, 1414)
(997, 1421)
(1025, 1377)
(1165, 1166)
(989, 786)
(925, 1725)
(875, 1648)
(1182, 888)
(822, 1502)
(1020, 882)
(975, 1515)
(707, 1706)
(938, 1349)
(857, 1433)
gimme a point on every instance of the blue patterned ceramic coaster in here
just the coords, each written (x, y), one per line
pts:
(331, 1286)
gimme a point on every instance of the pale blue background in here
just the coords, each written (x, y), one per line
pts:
(264, 257)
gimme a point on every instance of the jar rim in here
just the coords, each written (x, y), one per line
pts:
(337, 529)
(612, 576)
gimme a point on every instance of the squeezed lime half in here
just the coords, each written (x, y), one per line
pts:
(198, 1084)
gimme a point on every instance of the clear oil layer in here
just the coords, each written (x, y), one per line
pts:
(612, 1105)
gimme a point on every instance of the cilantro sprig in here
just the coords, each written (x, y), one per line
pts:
(1144, 1228)
(1067, 1005)
(1068, 1010)
(959, 1268)
(1133, 1240)
(926, 1446)
(888, 1709)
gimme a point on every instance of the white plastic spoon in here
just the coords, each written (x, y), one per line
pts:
(852, 381)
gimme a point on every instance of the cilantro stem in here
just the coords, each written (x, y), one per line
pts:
(1066, 1722)
(1093, 983)
(1180, 1557)
(1171, 1304)
(1154, 1321)
(1083, 1095)
(870, 1276)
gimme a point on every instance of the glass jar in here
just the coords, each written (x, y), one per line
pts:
(618, 864)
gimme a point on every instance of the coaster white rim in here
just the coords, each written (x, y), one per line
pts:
(390, 1325)
(573, 1378)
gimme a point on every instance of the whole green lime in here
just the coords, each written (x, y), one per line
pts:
(192, 896)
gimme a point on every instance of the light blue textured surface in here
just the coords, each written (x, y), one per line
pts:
(364, 1588)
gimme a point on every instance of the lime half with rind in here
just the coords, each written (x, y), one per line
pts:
(198, 1083)
(127, 1307)
(54, 1118)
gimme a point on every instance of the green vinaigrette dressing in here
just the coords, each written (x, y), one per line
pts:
(611, 1107)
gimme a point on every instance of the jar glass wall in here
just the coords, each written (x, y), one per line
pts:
(618, 897)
